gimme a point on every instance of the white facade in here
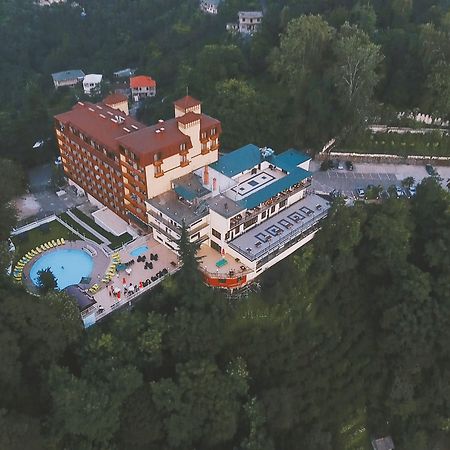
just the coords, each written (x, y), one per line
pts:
(91, 83)
(210, 6)
(249, 21)
(257, 236)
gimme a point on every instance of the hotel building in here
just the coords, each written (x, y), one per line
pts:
(247, 209)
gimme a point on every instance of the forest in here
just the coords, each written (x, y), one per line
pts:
(347, 341)
(293, 84)
(349, 338)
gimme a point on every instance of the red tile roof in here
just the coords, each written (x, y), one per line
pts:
(142, 81)
(148, 142)
(187, 102)
(99, 123)
(115, 98)
(188, 118)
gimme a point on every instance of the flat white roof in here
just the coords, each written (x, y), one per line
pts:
(111, 221)
(93, 78)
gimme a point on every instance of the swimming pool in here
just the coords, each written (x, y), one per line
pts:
(138, 251)
(67, 265)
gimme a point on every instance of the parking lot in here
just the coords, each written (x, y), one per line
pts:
(362, 175)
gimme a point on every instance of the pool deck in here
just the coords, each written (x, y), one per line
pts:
(107, 302)
(101, 262)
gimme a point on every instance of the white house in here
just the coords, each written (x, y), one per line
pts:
(210, 6)
(91, 83)
(249, 21)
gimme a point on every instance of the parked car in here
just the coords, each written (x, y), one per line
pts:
(340, 165)
(412, 191)
(430, 170)
(349, 165)
(360, 193)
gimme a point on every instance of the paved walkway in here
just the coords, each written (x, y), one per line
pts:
(88, 228)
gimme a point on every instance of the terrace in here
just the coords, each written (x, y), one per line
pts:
(281, 230)
(135, 279)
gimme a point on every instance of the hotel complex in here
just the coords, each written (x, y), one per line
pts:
(247, 209)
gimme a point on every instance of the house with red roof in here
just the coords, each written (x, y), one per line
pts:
(142, 86)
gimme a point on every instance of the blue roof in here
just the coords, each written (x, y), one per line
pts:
(67, 75)
(249, 156)
(185, 193)
(295, 176)
(238, 161)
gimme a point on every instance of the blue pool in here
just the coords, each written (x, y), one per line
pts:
(68, 266)
(139, 250)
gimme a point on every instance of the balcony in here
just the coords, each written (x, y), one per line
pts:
(131, 178)
(249, 215)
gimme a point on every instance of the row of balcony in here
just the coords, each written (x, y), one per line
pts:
(249, 215)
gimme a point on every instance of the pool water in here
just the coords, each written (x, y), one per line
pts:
(68, 266)
(138, 251)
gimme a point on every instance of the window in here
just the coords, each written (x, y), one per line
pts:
(158, 171)
(213, 131)
(283, 204)
(263, 215)
(216, 246)
(227, 235)
(272, 210)
(182, 147)
(216, 234)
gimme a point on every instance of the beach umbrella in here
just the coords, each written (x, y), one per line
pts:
(118, 295)
(141, 284)
(124, 281)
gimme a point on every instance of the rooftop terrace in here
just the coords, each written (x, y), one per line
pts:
(282, 228)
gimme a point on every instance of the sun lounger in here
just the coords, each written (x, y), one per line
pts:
(55, 244)
(50, 244)
(58, 241)
(63, 241)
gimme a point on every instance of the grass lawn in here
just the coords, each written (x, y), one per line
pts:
(76, 226)
(116, 241)
(31, 239)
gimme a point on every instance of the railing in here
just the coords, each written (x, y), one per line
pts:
(134, 297)
(34, 224)
(230, 274)
(303, 230)
(279, 199)
(173, 227)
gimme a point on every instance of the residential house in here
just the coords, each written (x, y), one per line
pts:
(384, 443)
(210, 6)
(142, 86)
(67, 78)
(91, 83)
(249, 21)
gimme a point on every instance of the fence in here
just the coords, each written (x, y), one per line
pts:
(32, 225)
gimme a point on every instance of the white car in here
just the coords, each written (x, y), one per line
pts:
(412, 191)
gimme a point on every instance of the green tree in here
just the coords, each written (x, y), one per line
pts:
(46, 281)
(357, 60)
(301, 64)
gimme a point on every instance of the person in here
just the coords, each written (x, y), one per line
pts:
(62, 267)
